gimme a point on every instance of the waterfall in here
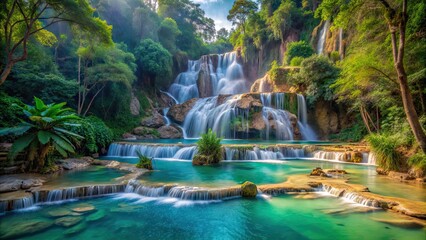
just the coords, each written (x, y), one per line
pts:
(263, 154)
(166, 119)
(323, 35)
(302, 117)
(186, 153)
(183, 192)
(152, 151)
(227, 78)
(351, 196)
(325, 155)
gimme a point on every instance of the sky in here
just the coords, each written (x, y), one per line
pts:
(217, 10)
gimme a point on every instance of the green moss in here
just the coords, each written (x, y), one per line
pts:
(248, 189)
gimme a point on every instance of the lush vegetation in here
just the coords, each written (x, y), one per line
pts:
(209, 149)
(144, 161)
(42, 133)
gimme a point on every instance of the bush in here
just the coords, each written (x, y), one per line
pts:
(354, 133)
(296, 61)
(10, 114)
(335, 56)
(144, 161)
(298, 49)
(418, 162)
(384, 148)
(96, 133)
(209, 149)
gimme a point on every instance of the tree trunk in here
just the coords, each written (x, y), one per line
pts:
(6, 71)
(398, 56)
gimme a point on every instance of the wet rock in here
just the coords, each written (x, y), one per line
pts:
(156, 120)
(355, 156)
(169, 132)
(402, 223)
(200, 160)
(68, 221)
(400, 176)
(257, 122)
(263, 84)
(178, 112)
(307, 196)
(84, 208)
(382, 171)
(75, 163)
(145, 133)
(336, 171)
(24, 228)
(76, 229)
(59, 212)
(129, 136)
(96, 216)
(248, 189)
(248, 101)
(318, 172)
(10, 186)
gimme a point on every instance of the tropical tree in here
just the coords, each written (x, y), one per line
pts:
(43, 134)
(395, 16)
(168, 33)
(240, 12)
(24, 20)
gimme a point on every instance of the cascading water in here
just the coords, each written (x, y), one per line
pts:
(323, 35)
(226, 78)
(302, 116)
(152, 151)
(263, 154)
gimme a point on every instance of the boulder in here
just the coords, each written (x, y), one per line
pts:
(247, 101)
(318, 172)
(336, 171)
(248, 189)
(169, 132)
(29, 183)
(156, 120)
(382, 171)
(10, 186)
(84, 208)
(200, 160)
(263, 84)
(59, 212)
(145, 133)
(75, 163)
(355, 156)
(178, 112)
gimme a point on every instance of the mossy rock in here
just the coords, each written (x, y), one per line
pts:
(59, 212)
(201, 159)
(68, 221)
(248, 189)
(25, 229)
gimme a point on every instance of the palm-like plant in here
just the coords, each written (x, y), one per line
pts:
(43, 134)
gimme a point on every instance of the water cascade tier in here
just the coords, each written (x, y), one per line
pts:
(241, 152)
(211, 75)
(280, 116)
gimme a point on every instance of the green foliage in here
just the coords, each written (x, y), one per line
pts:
(39, 76)
(384, 148)
(355, 133)
(296, 61)
(96, 133)
(240, 11)
(335, 56)
(144, 162)
(154, 61)
(10, 113)
(418, 162)
(285, 18)
(209, 145)
(317, 74)
(43, 134)
(168, 33)
(298, 49)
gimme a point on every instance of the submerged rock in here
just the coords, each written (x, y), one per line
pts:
(76, 229)
(59, 212)
(84, 208)
(402, 223)
(248, 189)
(68, 221)
(336, 171)
(28, 227)
(96, 216)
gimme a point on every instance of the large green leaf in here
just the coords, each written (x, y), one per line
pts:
(44, 136)
(40, 106)
(60, 150)
(14, 130)
(20, 144)
(63, 143)
(52, 109)
(68, 132)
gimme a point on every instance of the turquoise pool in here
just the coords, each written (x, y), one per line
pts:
(129, 216)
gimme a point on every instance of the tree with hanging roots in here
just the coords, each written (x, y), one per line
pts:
(42, 134)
